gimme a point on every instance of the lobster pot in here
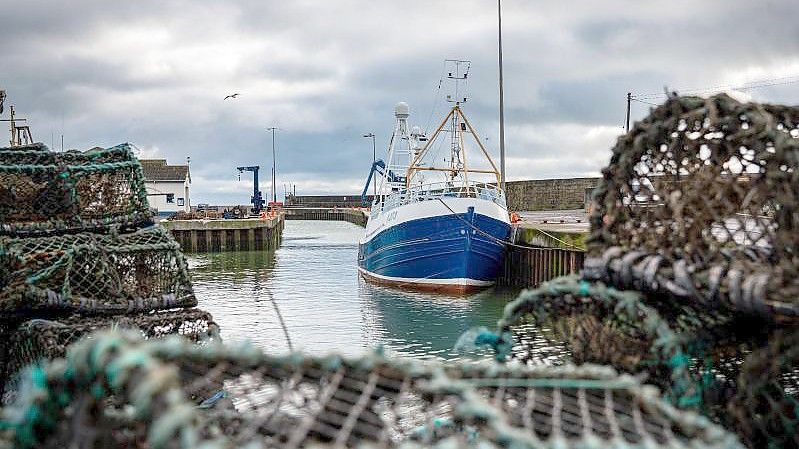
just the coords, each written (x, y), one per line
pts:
(91, 273)
(42, 192)
(688, 354)
(304, 401)
(700, 204)
(736, 370)
(764, 409)
(38, 339)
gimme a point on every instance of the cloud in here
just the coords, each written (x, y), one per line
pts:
(558, 150)
(154, 73)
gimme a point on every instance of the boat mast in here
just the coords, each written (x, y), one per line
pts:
(460, 74)
(457, 125)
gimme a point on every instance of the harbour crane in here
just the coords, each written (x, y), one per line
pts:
(379, 167)
(257, 198)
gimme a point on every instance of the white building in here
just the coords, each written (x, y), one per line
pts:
(167, 186)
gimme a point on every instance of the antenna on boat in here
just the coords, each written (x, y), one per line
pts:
(458, 127)
(459, 73)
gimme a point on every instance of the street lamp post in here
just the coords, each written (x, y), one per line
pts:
(374, 159)
(501, 101)
(274, 192)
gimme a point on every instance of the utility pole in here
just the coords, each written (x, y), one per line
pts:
(629, 99)
(274, 193)
(374, 159)
(501, 101)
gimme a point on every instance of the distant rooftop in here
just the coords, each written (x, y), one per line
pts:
(158, 170)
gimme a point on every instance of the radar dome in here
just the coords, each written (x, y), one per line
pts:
(402, 110)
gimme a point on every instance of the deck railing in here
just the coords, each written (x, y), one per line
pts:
(434, 191)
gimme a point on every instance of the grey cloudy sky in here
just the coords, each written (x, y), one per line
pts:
(154, 73)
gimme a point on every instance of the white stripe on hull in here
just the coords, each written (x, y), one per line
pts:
(426, 281)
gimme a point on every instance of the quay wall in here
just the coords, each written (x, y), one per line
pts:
(531, 266)
(251, 234)
(550, 194)
(530, 195)
(355, 216)
(541, 252)
(325, 200)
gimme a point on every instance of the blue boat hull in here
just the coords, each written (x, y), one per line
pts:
(444, 252)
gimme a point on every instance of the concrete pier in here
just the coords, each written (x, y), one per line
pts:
(246, 234)
(352, 215)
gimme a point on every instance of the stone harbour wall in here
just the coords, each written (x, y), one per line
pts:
(550, 194)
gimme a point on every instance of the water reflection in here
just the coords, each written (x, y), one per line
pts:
(326, 306)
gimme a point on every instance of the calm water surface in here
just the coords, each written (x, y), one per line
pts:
(325, 304)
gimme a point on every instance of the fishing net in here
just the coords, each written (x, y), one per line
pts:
(592, 323)
(700, 203)
(735, 370)
(39, 339)
(114, 390)
(93, 273)
(42, 192)
(765, 409)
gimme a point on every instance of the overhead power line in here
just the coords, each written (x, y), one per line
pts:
(769, 82)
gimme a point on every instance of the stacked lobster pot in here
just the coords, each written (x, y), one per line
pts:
(79, 251)
(691, 280)
(117, 390)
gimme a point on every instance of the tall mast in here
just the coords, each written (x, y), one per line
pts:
(459, 74)
(501, 101)
(457, 125)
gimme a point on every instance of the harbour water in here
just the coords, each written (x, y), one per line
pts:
(325, 304)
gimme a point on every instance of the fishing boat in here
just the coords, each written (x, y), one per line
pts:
(434, 224)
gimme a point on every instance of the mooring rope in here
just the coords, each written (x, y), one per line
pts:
(280, 319)
(498, 240)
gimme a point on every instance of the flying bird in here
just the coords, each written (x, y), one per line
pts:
(231, 96)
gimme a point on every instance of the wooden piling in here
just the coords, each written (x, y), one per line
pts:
(532, 266)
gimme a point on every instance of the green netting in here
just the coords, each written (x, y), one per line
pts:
(700, 204)
(701, 360)
(42, 192)
(114, 390)
(39, 339)
(93, 273)
(592, 323)
(764, 410)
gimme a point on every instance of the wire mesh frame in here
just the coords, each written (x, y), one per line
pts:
(599, 324)
(765, 408)
(42, 192)
(739, 372)
(297, 401)
(700, 202)
(91, 273)
(39, 339)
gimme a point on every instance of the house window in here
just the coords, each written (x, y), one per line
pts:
(170, 197)
(181, 203)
